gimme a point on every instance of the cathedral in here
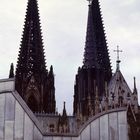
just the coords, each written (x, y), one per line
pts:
(104, 107)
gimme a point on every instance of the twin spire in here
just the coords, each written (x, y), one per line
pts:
(31, 55)
(96, 50)
(38, 93)
(31, 61)
(96, 66)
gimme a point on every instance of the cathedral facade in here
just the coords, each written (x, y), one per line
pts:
(104, 107)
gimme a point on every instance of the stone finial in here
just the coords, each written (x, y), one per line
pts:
(89, 106)
(97, 104)
(135, 87)
(106, 97)
(11, 73)
(135, 97)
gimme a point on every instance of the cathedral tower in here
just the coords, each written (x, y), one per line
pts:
(34, 82)
(96, 70)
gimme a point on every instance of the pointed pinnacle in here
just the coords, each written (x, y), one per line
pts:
(64, 109)
(134, 82)
(11, 74)
(135, 88)
(64, 104)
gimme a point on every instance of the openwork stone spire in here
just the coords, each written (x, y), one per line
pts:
(90, 55)
(96, 52)
(31, 55)
(32, 80)
(96, 69)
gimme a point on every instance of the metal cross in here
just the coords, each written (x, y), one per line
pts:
(118, 56)
(118, 52)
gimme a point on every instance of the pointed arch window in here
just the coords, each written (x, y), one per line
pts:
(32, 103)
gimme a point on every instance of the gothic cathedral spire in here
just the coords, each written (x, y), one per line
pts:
(96, 51)
(96, 69)
(33, 81)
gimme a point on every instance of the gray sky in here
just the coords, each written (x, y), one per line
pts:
(64, 29)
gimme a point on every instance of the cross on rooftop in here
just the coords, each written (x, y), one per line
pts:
(118, 52)
(118, 57)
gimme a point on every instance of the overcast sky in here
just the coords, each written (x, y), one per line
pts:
(64, 29)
